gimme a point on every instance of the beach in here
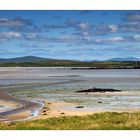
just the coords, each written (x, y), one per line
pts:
(16, 109)
(41, 93)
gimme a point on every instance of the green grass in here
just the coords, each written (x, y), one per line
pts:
(68, 63)
(100, 121)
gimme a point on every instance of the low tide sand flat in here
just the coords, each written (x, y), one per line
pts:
(16, 106)
(49, 95)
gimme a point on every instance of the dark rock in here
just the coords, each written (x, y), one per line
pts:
(100, 102)
(89, 68)
(79, 107)
(62, 113)
(118, 122)
(29, 96)
(44, 113)
(100, 90)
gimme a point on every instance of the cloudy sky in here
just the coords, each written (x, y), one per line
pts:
(77, 35)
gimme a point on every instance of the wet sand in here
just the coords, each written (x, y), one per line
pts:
(23, 109)
(17, 78)
(55, 109)
(19, 106)
(59, 109)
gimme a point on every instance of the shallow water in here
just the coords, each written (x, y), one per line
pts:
(126, 80)
(96, 103)
(5, 108)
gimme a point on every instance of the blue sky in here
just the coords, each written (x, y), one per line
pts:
(76, 35)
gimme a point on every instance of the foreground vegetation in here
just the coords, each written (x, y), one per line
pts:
(100, 121)
(68, 63)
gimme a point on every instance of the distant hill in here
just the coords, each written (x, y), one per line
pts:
(124, 59)
(43, 62)
(24, 59)
(40, 59)
(33, 61)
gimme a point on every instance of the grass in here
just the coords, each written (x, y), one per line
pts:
(68, 63)
(99, 121)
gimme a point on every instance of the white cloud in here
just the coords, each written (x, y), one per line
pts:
(5, 36)
(105, 28)
(78, 25)
(31, 36)
(113, 28)
(13, 34)
(115, 39)
(84, 26)
(16, 22)
(112, 39)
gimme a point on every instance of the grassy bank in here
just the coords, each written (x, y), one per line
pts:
(101, 121)
(68, 63)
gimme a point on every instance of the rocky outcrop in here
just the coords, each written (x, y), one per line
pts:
(100, 90)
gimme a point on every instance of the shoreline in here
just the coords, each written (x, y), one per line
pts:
(50, 109)
(53, 109)
(61, 108)
(22, 109)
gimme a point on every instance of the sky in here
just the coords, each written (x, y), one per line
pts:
(70, 34)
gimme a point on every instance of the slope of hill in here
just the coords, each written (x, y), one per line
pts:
(24, 59)
(124, 59)
(32, 61)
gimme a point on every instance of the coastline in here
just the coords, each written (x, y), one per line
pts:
(20, 109)
(23, 109)
(50, 109)
(61, 108)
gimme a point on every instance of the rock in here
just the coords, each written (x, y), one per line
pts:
(29, 96)
(118, 122)
(45, 107)
(100, 90)
(100, 102)
(45, 110)
(89, 68)
(44, 113)
(79, 107)
(62, 113)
